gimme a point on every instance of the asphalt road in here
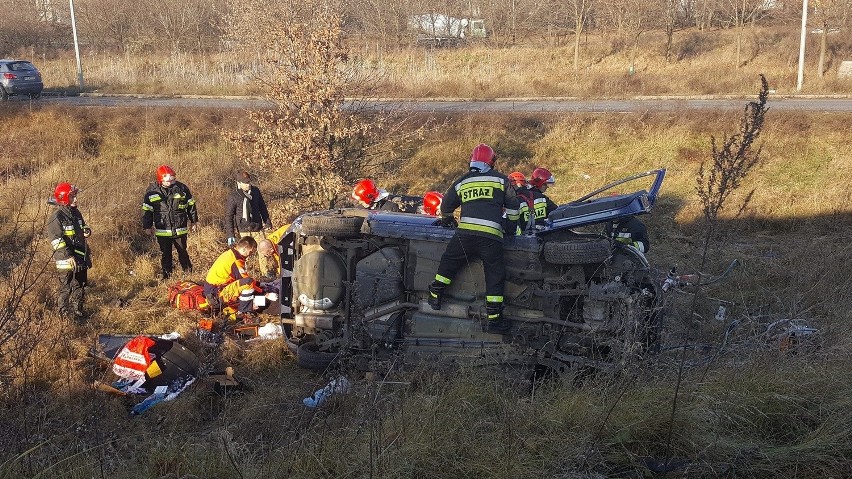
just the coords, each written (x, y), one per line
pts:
(636, 105)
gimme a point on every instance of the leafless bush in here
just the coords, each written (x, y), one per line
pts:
(731, 161)
(315, 141)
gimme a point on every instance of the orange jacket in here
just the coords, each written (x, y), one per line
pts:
(228, 267)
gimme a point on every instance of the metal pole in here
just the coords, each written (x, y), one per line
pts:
(77, 46)
(802, 45)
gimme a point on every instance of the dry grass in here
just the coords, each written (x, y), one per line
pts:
(702, 63)
(751, 411)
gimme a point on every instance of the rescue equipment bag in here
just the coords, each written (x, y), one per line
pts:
(188, 296)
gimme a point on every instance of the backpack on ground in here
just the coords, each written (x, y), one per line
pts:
(188, 296)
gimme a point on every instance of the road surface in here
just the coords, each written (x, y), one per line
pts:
(638, 105)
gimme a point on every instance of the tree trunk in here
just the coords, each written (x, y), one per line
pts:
(669, 35)
(823, 45)
(740, 28)
(577, 32)
(633, 54)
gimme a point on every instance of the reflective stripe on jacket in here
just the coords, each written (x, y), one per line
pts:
(168, 210)
(483, 197)
(541, 205)
(65, 229)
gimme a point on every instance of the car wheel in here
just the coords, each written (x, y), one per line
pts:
(3, 95)
(584, 251)
(331, 224)
(309, 357)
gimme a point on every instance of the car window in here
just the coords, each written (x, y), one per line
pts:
(21, 66)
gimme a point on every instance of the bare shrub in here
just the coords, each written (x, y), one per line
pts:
(731, 162)
(315, 141)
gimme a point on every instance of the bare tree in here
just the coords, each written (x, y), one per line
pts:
(108, 23)
(386, 21)
(742, 13)
(672, 15)
(830, 15)
(581, 12)
(20, 25)
(629, 19)
(312, 138)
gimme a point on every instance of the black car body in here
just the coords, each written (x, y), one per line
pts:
(355, 283)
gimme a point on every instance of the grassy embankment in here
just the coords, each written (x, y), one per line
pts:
(701, 63)
(751, 412)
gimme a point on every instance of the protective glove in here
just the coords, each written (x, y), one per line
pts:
(268, 227)
(448, 221)
(73, 262)
(193, 227)
(87, 232)
(232, 241)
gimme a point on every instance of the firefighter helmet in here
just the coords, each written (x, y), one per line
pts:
(483, 153)
(432, 203)
(365, 192)
(165, 174)
(517, 179)
(540, 177)
(64, 194)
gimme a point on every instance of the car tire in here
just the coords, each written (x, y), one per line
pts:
(3, 94)
(580, 251)
(309, 357)
(331, 224)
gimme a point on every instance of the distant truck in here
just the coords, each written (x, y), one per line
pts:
(435, 29)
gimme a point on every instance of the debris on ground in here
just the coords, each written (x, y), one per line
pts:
(338, 385)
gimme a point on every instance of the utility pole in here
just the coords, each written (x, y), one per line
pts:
(801, 75)
(77, 46)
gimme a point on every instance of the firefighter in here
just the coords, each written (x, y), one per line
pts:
(537, 206)
(68, 232)
(629, 231)
(246, 214)
(431, 203)
(168, 212)
(518, 180)
(228, 281)
(369, 196)
(483, 194)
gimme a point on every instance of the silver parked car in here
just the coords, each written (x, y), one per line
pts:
(19, 77)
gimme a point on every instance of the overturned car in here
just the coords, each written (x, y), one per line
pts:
(355, 282)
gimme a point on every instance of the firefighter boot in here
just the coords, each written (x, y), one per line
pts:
(496, 322)
(436, 292)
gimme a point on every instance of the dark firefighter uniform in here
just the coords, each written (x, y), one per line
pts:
(169, 210)
(630, 231)
(482, 197)
(66, 229)
(537, 204)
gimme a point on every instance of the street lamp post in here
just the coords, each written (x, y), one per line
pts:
(801, 75)
(77, 46)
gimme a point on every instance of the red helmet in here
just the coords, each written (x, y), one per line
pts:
(517, 178)
(432, 203)
(63, 194)
(483, 153)
(164, 172)
(541, 176)
(365, 192)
